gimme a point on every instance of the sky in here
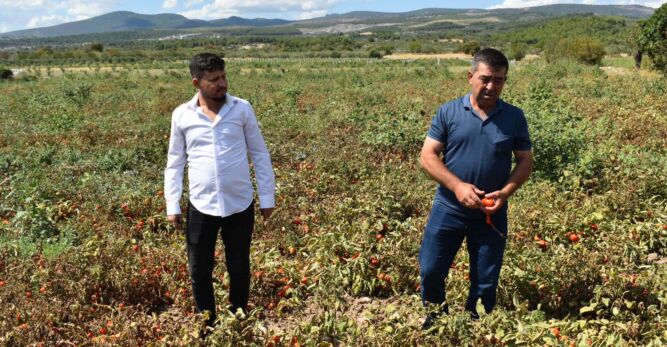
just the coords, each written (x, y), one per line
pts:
(27, 14)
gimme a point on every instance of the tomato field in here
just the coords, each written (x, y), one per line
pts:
(87, 256)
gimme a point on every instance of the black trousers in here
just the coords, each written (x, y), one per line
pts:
(201, 236)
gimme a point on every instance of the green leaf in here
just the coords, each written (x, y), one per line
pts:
(587, 309)
(597, 216)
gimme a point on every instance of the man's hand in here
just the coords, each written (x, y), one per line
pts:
(176, 220)
(499, 199)
(266, 212)
(468, 195)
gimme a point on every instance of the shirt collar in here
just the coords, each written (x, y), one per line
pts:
(500, 104)
(192, 104)
(466, 101)
(229, 100)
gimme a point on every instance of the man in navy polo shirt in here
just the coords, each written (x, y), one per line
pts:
(477, 135)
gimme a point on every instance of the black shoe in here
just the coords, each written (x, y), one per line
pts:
(432, 317)
(428, 322)
(474, 315)
(234, 310)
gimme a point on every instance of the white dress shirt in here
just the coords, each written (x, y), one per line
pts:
(217, 157)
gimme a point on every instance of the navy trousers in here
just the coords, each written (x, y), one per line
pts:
(201, 235)
(443, 236)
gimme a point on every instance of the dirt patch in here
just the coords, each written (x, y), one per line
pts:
(335, 29)
(451, 40)
(367, 310)
(364, 310)
(414, 56)
(614, 70)
(57, 71)
(623, 71)
(253, 46)
(459, 21)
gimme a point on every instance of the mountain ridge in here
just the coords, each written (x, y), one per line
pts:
(119, 21)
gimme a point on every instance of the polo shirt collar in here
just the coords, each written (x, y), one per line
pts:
(500, 104)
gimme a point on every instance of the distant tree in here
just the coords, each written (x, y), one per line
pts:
(415, 47)
(516, 51)
(428, 49)
(42, 51)
(630, 39)
(96, 47)
(6, 74)
(470, 47)
(375, 54)
(653, 38)
(582, 49)
(387, 49)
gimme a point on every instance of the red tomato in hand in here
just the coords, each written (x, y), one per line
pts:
(488, 202)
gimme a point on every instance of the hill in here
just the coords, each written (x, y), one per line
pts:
(130, 21)
(124, 21)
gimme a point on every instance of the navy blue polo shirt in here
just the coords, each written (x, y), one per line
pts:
(478, 152)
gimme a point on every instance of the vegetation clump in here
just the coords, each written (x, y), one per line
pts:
(653, 38)
(582, 49)
(6, 74)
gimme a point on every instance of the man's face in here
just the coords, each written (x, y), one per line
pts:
(487, 83)
(212, 85)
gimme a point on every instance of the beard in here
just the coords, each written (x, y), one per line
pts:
(216, 98)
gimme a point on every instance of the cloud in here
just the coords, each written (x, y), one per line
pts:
(525, 3)
(22, 14)
(262, 8)
(21, 4)
(42, 21)
(191, 3)
(532, 3)
(209, 12)
(82, 10)
(654, 4)
(169, 3)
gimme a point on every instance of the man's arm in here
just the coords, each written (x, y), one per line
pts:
(173, 173)
(519, 175)
(261, 160)
(466, 193)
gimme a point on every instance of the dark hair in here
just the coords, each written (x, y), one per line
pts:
(494, 58)
(205, 62)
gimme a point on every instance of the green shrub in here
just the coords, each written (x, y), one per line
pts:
(375, 54)
(415, 47)
(582, 49)
(555, 132)
(96, 47)
(403, 132)
(36, 222)
(470, 47)
(653, 38)
(516, 51)
(6, 74)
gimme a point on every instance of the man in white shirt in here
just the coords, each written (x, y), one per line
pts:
(213, 134)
